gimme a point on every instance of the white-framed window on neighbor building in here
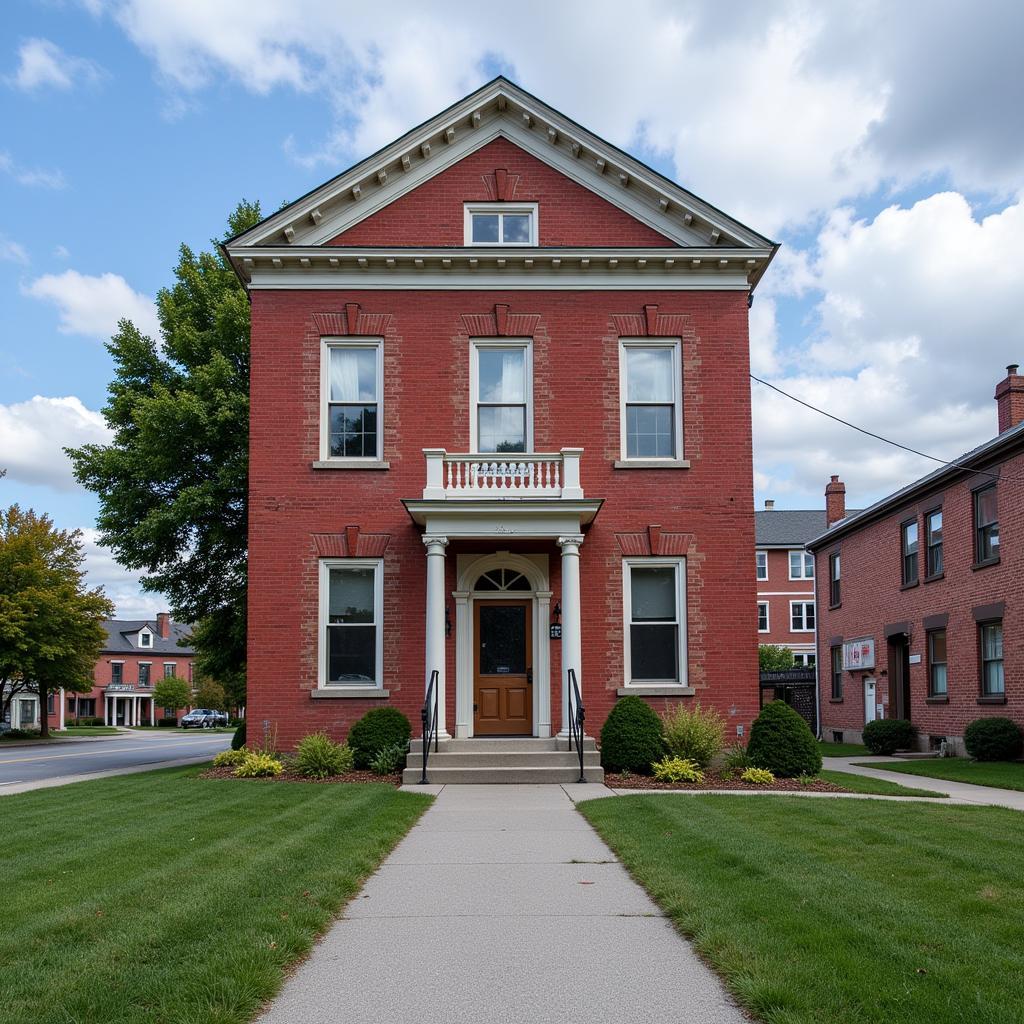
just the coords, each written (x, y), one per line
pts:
(116, 673)
(654, 611)
(650, 400)
(801, 616)
(145, 673)
(501, 395)
(170, 669)
(352, 400)
(762, 616)
(801, 565)
(351, 623)
(762, 565)
(501, 224)
(804, 660)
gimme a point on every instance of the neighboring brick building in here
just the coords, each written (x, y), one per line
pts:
(501, 283)
(920, 611)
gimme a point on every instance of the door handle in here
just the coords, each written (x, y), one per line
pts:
(529, 677)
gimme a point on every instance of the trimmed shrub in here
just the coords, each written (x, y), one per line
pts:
(693, 732)
(258, 766)
(781, 742)
(167, 723)
(736, 758)
(238, 740)
(993, 739)
(677, 769)
(377, 729)
(317, 757)
(758, 776)
(887, 735)
(388, 760)
(230, 758)
(631, 737)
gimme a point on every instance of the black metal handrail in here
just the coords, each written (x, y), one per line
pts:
(576, 718)
(429, 718)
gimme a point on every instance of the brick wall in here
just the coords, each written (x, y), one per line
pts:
(777, 591)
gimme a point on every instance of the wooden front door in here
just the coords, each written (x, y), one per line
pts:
(502, 669)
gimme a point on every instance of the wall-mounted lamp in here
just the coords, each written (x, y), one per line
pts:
(447, 621)
(556, 612)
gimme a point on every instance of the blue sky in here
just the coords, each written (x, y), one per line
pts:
(131, 126)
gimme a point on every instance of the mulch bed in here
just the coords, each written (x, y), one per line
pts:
(712, 782)
(227, 772)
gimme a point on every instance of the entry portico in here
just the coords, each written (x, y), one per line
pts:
(123, 705)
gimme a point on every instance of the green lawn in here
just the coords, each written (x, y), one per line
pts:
(838, 911)
(1000, 774)
(877, 787)
(85, 730)
(161, 897)
(842, 749)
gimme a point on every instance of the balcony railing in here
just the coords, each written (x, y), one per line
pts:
(500, 475)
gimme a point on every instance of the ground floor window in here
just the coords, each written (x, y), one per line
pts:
(50, 704)
(654, 606)
(837, 673)
(992, 682)
(351, 619)
(937, 681)
(82, 706)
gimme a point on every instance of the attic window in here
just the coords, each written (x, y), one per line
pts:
(501, 224)
(145, 639)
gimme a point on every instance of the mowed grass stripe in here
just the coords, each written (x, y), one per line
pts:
(851, 912)
(994, 774)
(161, 897)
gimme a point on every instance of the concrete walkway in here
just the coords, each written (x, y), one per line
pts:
(959, 792)
(502, 904)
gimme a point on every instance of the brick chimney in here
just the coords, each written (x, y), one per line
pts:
(769, 504)
(835, 501)
(163, 624)
(1010, 398)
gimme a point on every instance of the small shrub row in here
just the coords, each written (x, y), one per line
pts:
(677, 769)
(758, 776)
(319, 757)
(885, 736)
(255, 765)
(230, 758)
(993, 739)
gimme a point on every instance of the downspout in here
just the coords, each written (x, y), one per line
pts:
(817, 652)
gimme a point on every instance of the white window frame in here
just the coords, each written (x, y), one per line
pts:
(499, 208)
(767, 617)
(144, 635)
(803, 616)
(360, 689)
(805, 555)
(679, 564)
(326, 345)
(800, 659)
(475, 344)
(758, 556)
(675, 345)
(173, 665)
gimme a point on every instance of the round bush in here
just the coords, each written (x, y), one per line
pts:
(377, 729)
(631, 737)
(993, 739)
(781, 742)
(884, 736)
(318, 757)
(238, 740)
(693, 732)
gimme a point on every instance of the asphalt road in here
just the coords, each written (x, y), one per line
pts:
(71, 761)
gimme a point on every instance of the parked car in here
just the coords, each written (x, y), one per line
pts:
(203, 718)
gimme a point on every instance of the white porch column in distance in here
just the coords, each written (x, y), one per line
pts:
(463, 656)
(572, 646)
(60, 719)
(106, 710)
(435, 639)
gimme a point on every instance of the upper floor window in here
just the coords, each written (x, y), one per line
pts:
(801, 616)
(908, 535)
(986, 525)
(762, 565)
(762, 616)
(991, 638)
(501, 396)
(351, 617)
(145, 638)
(651, 400)
(835, 591)
(117, 673)
(801, 565)
(654, 606)
(352, 408)
(501, 224)
(170, 670)
(805, 660)
(933, 542)
(144, 670)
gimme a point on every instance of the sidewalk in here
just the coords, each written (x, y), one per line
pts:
(63, 741)
(502, 904)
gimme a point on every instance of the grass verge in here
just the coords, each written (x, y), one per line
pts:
(845, 911)
(876, 787)
(161, 897)
(997, 774)
(843, 749)
(85, 730)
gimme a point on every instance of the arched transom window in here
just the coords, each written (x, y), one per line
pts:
(501, 580)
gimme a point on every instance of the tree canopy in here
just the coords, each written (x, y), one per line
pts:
(172, 692)
(51, 624)
(772, 658)
(172, 484)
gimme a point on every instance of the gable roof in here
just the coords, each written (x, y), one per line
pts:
(120, 632)
(791, 528)
(297, 234)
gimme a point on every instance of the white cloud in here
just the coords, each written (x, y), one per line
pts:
(33, 177)
(61, 252)
(11, 251)
(33, 435)
(43, 64)
(121, 585)
(92, 305)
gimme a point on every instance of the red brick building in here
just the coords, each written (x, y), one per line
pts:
(919, 609)
(500, 429)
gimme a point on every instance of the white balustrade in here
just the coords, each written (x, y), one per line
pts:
(497, 475)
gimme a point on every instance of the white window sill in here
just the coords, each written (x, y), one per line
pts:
(651, 464)
(656, 690)
(351, 464)
(367, 692)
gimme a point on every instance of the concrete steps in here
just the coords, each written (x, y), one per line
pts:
(504, 760)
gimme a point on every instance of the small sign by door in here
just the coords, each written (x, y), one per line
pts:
(556, 630)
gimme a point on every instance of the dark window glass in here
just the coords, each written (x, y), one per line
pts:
(654, 628)
(986, 525)
(170, 671)
(801, 616)
(353, 398)
(351, 625)
(762, 565)
(502, 639)
(835, 584)
(909, 533)
(992, 681)
(837, 673)
(937, 682)
(144, 675)
(650, 403)
(117, 673)
(762, 617)
(351, 654)
(485, 227)
(933, 538)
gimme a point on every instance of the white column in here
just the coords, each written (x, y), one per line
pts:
(152, 711)
(106, 710)
(542, 666)
(435, 645)
(571, 639)
(463, 667)
(60, 718)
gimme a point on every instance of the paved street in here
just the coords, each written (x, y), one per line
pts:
(29, 767)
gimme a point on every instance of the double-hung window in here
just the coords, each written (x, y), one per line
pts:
(933, 543)
(352, 406)
(651, 401)
(654, 602)
(116, 673)
(908, 547)
(991, 640)
(804, 660)
(837, 673)
(801, 616)
(801, 565)
(501, 396)
(762, 565)
(512, 224)
(986, 525)
(835, 583)
(762, 616)
(170, 670)
(144, 670)
(351, 621)
(937, 680)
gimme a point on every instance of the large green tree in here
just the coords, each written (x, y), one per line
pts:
(51, 624)
(172, 483)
